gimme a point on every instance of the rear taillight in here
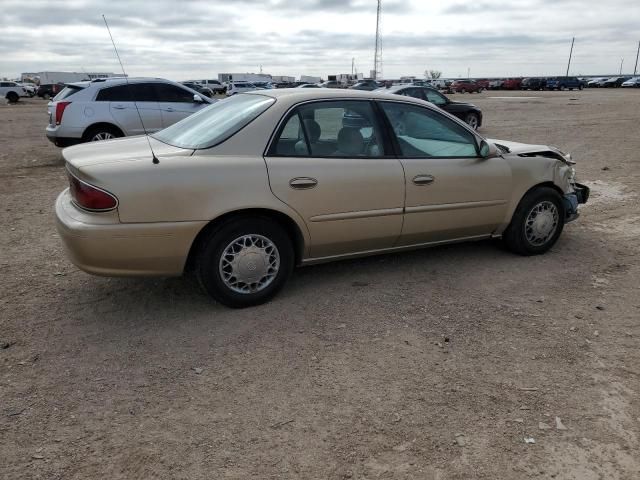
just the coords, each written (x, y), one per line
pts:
(60, 107)
(89, 197)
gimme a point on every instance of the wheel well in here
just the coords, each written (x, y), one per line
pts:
(102, 125)
(290, 227)
(544, 184)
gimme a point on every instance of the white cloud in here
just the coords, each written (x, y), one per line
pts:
(189, 39)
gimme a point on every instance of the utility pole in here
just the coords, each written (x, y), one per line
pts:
(635, 69)
(570, 53)
(378, 50)
(621, 62)
(353, 60)
(468, 72)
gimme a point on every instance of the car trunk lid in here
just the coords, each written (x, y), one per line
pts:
(129, 149)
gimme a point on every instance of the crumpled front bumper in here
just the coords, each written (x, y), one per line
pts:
(579, 196)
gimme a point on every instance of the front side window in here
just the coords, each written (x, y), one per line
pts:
(424, 133)
(214, 124)
(171, 93)
(344, 129)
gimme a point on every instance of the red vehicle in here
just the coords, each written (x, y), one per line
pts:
(512, 84)
(483, 83)
(462, 86)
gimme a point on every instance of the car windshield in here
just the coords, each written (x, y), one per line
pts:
(215, 124)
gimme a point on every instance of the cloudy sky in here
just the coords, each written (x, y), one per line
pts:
(182, 39)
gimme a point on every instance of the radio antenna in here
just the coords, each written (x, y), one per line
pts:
(154, 159)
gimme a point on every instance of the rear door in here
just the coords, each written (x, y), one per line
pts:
(133, 118)
(451, 192)
(328, 163)
(176, 103)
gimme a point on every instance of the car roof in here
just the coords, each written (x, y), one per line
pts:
(297, 95)
(396, 88)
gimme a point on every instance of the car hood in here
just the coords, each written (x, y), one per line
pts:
(464, 104)
(120, 150)
(527, 150)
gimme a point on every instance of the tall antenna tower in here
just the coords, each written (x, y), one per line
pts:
(377, 56)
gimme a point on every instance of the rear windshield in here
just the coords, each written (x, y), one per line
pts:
(66, 92)
(213, 125)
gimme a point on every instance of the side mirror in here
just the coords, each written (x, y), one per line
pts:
(197, 99)
(485, 149)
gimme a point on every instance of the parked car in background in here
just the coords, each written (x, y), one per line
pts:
(632, 82)
(324, 191)
(467, 112)
(483, 83)
(308, 85)
(496, 84)
(441, 84)
(264, 85)
(614, 82)
(12, 91)
(365, 85)
(331, 84)
(533, 83)
(30, 88)
(216, 86)
(512, 84)
(206, 91)
(595, 82)
(563, 83)
(234, 87)
(49, 90)
(463, 86)
(112, 107)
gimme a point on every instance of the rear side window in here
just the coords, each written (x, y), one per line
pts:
(142, 92)
(344, 129)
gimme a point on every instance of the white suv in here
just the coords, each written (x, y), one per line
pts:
(105, 108)
(240, 87)
(12, 91)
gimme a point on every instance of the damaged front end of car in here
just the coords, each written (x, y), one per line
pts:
(564, 175)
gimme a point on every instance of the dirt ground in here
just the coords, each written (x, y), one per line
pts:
(435, 364)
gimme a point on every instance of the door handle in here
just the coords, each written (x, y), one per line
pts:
(303, 183)
(169, 109)
(423, 179)
(119, 107)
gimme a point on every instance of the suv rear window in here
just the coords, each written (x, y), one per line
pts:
(66, 92)
(215, 124)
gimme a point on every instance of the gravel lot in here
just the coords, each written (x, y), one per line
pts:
(434, 364)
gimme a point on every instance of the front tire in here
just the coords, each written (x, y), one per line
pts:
(537, 222)
(245, 262)
(472, 120)
(12, 97)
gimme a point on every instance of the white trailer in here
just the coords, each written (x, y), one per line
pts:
(48, 78)
(310, 79)
(244, 77)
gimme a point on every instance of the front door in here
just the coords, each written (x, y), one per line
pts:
(175, 103)
(451, 192)
(133, 118)
(328, 163)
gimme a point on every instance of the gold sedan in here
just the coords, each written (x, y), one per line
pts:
(248, 188)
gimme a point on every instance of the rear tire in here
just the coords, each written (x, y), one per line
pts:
(12, 97)
(245, 262)
(101, 132)
(537, 222)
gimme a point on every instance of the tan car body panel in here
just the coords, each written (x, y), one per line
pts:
(352, 211)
